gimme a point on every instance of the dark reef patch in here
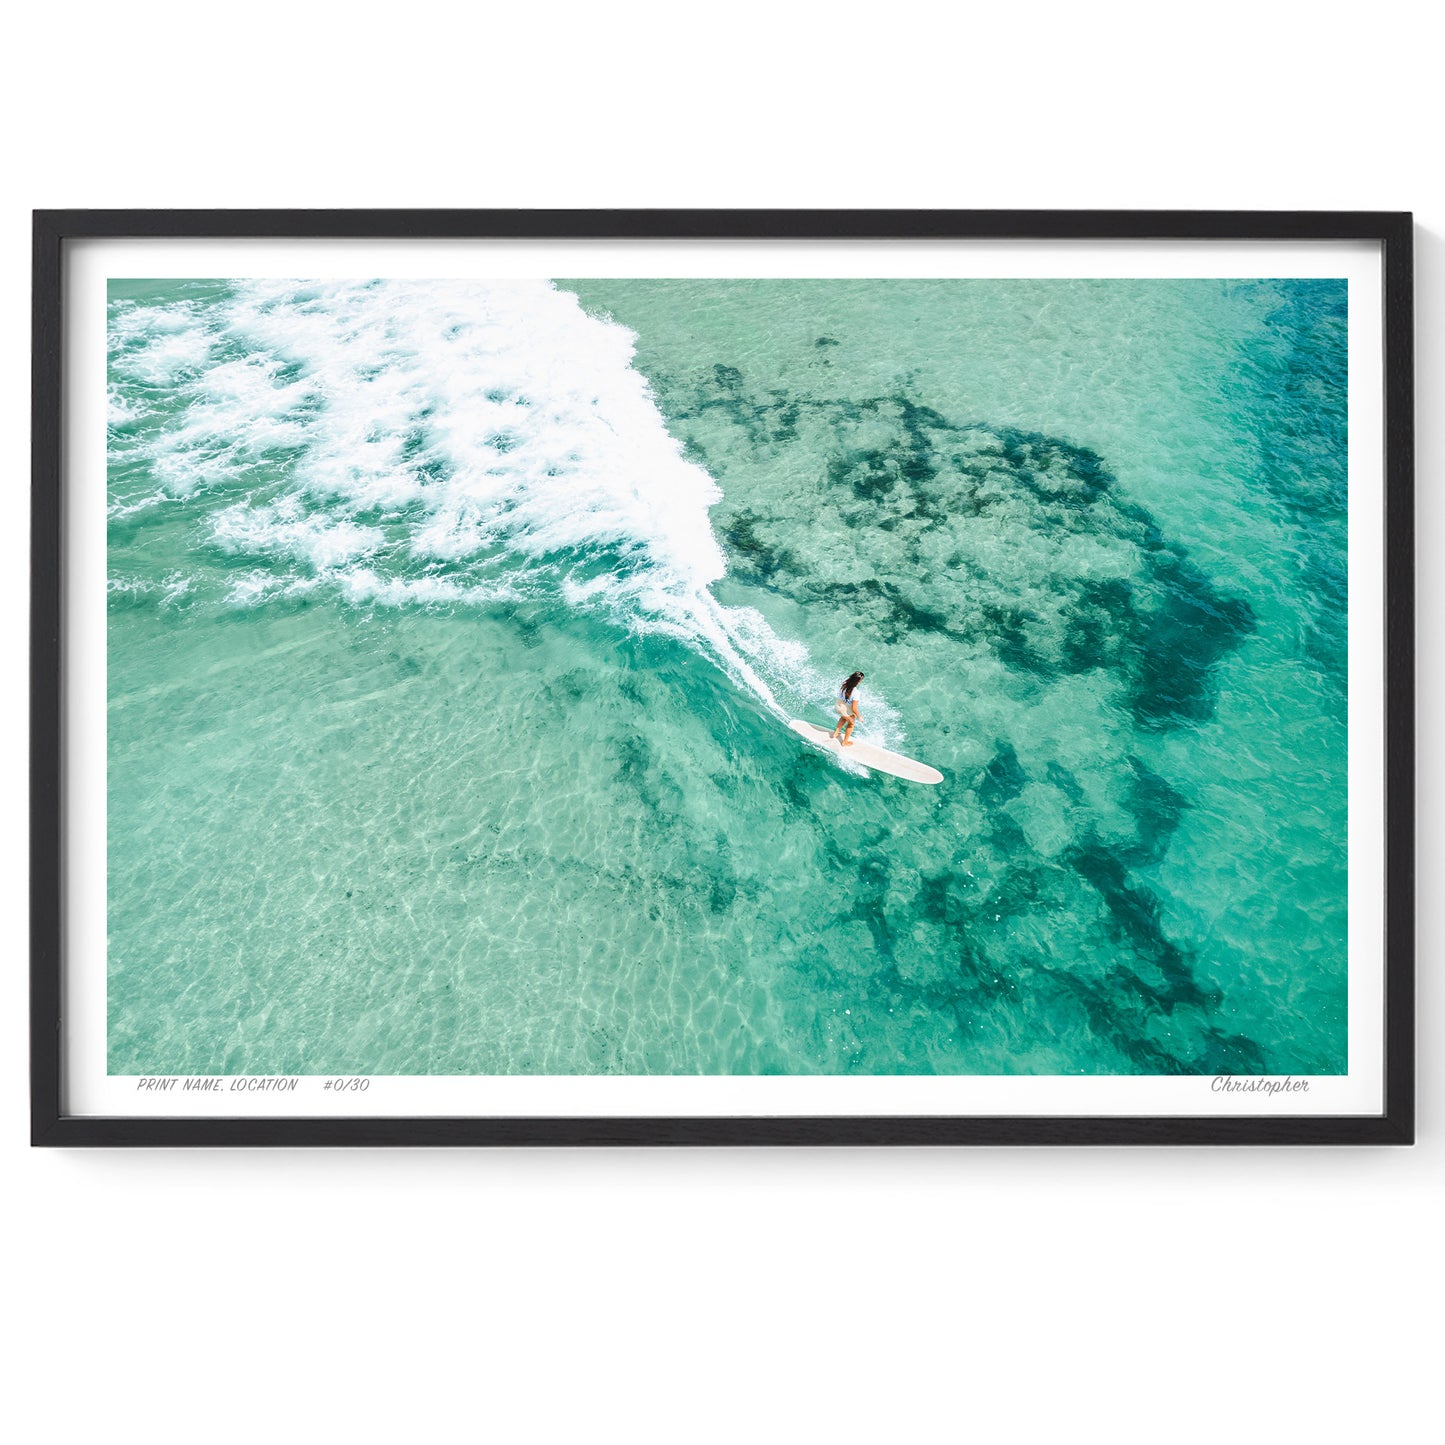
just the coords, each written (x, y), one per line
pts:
(1135, 912)
(970, 506)
(1003, 779)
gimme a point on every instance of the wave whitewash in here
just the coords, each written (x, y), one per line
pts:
(453, 626)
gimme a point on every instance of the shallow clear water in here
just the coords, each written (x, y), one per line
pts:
(452, 643)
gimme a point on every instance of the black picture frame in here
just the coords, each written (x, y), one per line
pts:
(55, 229)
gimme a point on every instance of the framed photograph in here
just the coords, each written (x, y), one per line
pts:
(722, 677)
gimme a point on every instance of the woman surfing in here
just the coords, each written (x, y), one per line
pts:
(846, 706)
(865, 754)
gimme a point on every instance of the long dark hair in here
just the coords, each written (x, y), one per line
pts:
(849, 683)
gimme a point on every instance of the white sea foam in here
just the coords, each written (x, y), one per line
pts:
(166, 358)
(122, 410)
(123, 583)
(489, 425)
(363, 585)
(176, 586)
(249, 589)
(130, 321)
(285, 529)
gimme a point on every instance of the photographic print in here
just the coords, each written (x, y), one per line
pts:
(476, 650)
(730, 694)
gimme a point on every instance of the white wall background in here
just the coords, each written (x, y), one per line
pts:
(1161, 1295)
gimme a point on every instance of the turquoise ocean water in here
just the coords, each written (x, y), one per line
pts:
(454, 627)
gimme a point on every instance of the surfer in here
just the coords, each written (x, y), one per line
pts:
(846, 706)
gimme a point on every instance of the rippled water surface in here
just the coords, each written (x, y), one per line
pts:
(455, 625)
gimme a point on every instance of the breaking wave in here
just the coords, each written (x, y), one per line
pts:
(429, 443)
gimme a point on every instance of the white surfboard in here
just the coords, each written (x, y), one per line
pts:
(868, 755)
